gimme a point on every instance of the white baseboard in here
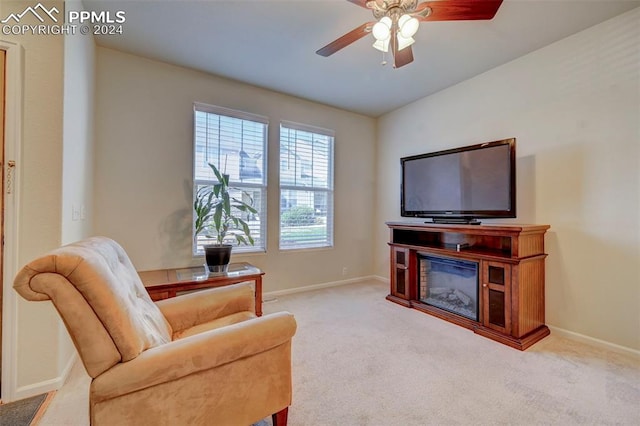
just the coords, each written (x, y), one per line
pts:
(46, 385)
(593, 341)
(271, 294)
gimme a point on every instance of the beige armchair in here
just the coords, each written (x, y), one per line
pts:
(198, 359)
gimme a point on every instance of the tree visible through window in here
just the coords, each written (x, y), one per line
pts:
(306, 186)
(235, 142)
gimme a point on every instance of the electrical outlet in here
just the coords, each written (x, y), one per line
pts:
(75, 212)
(345, 270)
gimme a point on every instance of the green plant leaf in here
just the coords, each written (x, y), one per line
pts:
(245, 207)
(217, 221)
(246, 230)
(227, 204)
(216, 189)
(202, 207)
(216, 172)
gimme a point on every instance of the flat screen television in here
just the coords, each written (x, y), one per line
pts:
(461, 185)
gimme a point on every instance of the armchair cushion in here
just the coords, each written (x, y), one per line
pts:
(204, 306)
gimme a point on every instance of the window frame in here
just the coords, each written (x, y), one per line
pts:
(262, 187)
(329, 190)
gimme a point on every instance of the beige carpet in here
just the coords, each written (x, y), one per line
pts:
(361, 360)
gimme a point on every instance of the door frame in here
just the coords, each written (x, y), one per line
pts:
(12, 152)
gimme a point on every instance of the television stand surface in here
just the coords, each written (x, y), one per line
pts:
(454, 221)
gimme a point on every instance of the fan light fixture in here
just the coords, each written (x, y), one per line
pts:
(407, 27)
(401, 19)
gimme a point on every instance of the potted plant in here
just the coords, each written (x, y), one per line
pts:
(215, 218)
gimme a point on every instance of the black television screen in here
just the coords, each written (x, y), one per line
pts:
(461, 184)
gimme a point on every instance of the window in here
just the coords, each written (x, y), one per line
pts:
(306, 187)
(235, 142)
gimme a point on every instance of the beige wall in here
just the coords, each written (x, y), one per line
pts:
(144, 136)
(77, 167)
(574, 108)
(77, 150)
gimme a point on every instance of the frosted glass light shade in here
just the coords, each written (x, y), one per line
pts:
(404, 41)
(382, 45)
(382, 29)
(408, 26)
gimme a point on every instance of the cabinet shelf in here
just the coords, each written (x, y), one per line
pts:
(464, 252)
(510, 275)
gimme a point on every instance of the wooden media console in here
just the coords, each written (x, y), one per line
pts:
(510, 275)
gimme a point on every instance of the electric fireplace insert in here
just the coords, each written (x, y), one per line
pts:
(449, 284)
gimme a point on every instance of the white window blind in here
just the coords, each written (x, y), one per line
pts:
(235, 142)
(306, 186)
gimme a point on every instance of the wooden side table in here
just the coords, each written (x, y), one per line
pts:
(165, 283)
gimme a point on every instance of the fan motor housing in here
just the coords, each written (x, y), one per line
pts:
(386, 7)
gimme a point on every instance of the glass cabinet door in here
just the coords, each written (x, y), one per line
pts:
(496, 296)
(400, 272)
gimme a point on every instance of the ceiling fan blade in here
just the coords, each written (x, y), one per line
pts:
(346, 39)
(403, 57)
(459, 10)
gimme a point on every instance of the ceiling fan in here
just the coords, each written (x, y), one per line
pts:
(398, 20)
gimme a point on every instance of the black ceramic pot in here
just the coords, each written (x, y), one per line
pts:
(217, 257)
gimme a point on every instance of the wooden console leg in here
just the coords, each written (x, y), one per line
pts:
(280, 418)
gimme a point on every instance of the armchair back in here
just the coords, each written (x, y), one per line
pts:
(100, 297)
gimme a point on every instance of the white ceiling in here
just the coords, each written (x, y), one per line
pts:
(272, 44)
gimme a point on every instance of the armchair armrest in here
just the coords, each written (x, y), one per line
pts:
(188, 310)
(194, 354)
